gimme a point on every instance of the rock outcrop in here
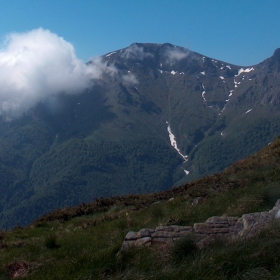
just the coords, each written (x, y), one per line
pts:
(215, 228)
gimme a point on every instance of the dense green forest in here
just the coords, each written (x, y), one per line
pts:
(78, 171)
(237, 142)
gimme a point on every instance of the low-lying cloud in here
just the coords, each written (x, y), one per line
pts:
(39, 64)
(175, 54)
(135, 52)
(130, 79)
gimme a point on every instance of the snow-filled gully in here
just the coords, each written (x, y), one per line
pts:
(236, 84)
(203, 93)
(175, 146)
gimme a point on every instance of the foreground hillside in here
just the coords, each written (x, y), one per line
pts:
(83, 242)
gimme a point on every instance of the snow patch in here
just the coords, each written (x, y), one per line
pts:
(235, 83)
(110, 54)
(228, 67)
(160, 71)
(173, 72)
(204, 99)
(247, 70)
(203, 72)
(231, 91)
(248, 111)
(221, 77)
(203, 93)
(174, 143)
(186, 171)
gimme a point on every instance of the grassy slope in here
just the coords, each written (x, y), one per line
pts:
(83, 242)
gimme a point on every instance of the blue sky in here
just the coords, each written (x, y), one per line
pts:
(239, 32)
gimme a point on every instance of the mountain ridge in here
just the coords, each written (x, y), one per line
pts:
(248, 186)
(113, 138)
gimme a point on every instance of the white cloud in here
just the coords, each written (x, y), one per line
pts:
(98, 67)
(38, 64)
(175, 54)
(135, 52)
(130, 79)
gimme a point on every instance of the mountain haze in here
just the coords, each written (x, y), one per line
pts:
(113, 138)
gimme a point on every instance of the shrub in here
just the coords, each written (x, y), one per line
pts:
(271, 194)
(51, 242)
(184, 247)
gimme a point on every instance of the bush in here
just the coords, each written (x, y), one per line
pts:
(51, 242)
(271, 194)
(184, 247)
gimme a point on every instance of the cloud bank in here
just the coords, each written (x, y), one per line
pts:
(39, 64)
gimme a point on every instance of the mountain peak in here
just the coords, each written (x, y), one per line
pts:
(276, 53)
(168, 45)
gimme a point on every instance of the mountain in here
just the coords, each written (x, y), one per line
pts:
(115, 137)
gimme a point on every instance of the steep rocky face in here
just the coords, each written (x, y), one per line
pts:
(217, 112)
(177, 68)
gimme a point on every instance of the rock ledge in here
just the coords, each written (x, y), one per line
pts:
(223, 228)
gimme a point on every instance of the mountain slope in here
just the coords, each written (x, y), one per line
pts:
(114, 138)
(249, 120)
